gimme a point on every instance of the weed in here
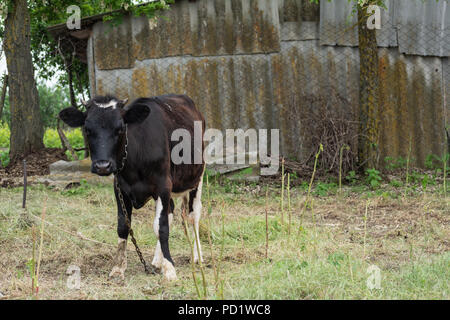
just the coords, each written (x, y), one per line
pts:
(392, 163)
(4, 158)
(351, 177)
(323, 189)
(82, 189)
(337, 258)
(396, 183)
(373, 178)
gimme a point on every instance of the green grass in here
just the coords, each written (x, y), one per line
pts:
(407, 238)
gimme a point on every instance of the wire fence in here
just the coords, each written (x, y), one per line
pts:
(308, 86)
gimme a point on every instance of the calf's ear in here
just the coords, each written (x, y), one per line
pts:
(73, 117)
(136, 114)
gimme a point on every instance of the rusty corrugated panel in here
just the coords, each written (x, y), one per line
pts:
(113, 46)
(411, 105)
(201, 28)
(337, 23)
(424, 27)
(387, 35)
(270, 90)
(299, 20)
(415, 26)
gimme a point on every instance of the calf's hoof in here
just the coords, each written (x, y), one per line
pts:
(157, 263)
(169, 271)
(117, 272)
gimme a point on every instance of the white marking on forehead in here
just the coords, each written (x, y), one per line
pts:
(112, 103)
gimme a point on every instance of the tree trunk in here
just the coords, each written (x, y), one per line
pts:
(27, 129)
(368, 92)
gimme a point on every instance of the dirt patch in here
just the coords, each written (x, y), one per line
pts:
(38, 163)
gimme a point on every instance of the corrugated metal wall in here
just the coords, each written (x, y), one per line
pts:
(253, 63)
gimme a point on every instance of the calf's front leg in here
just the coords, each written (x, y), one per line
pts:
(120, 263)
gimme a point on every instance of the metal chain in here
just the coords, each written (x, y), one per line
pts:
(124, 209)
(124, 158)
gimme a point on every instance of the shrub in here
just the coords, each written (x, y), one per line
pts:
(4, 135)
(373, 178)
(4, 158)
(75, 137)
(51, 140)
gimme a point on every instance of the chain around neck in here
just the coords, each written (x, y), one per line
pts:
(124, 158)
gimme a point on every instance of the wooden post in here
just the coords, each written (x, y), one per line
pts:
(24, 200)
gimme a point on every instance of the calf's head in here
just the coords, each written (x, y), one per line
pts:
(104, 122)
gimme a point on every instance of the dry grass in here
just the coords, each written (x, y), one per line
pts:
(407, 238)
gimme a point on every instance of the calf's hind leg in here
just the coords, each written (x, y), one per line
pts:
(158, 257)
(166, 262)
(195, 212)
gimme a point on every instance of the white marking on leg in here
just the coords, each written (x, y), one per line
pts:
(158, 257)
(195, 216)
(121, 260)
(169, 270)
(158, 210)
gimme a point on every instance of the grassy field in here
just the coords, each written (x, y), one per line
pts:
(329, 253)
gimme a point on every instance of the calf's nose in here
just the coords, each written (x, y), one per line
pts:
(103, 166)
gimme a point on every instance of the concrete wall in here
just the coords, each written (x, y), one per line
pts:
(253, 63)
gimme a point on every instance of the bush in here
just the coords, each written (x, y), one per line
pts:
(52, 140)
(4, 158)
(75, 137)
(4, 135)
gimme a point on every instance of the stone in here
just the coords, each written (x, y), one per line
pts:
(70, 166)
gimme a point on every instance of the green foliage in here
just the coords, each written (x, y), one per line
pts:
(392, 163)
(432, 161)
(294, 175)
(4, 135)
(46, 55)
(83, 189)
(337, 258)
(324, 189)
(373, 178)
(51, 101)
(4, 158)
(351, 177)
(75, 137)
(425, 181)
(396, 183)
(51, 140)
